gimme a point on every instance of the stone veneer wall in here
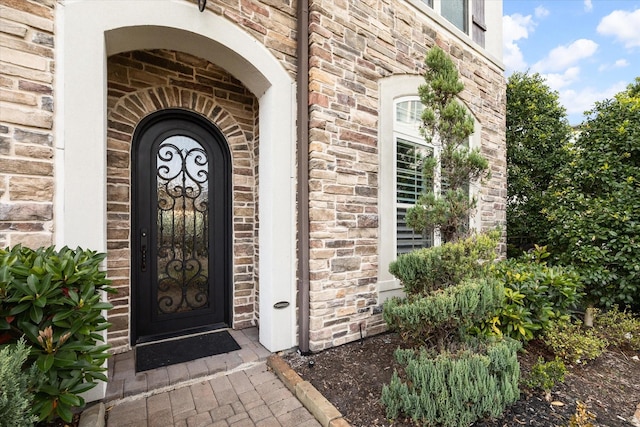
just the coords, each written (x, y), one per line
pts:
(140, 83)
(26, 122)
(353, 45)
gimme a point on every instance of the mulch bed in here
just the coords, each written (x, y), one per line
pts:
(351, 377)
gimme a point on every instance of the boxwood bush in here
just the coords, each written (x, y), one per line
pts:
(54, 300)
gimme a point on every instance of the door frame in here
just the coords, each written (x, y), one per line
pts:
(143, 126)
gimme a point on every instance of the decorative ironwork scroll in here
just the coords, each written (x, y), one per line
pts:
(183, 208)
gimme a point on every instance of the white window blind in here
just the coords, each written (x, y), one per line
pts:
(410, 183)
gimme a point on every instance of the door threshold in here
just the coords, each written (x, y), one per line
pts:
(174, 336)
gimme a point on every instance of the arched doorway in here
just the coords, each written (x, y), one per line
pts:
(181, 231)
(82, 137)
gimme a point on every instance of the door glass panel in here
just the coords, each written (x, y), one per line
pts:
(182, 184)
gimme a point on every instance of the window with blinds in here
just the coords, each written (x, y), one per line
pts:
(410, 183)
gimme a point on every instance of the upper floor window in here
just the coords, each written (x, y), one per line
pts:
(455, 11)
(467, 15)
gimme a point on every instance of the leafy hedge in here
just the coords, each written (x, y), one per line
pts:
(54, 299)
(593, 216)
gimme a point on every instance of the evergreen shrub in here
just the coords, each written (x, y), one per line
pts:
(545, 375)
(444, 316)
(448, 290)
(426, 270)
(454, 389)
(16, 386)
(53, 299)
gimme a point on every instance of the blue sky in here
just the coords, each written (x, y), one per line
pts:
(587, 50)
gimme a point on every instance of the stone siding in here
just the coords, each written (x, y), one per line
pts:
(26, 122)
(353, 45)
(140, 83)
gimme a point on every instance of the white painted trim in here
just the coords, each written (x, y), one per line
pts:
(391, 88)
(88, 32)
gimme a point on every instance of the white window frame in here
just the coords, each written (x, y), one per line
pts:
(392, 90)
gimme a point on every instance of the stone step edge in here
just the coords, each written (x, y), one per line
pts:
(326, 414)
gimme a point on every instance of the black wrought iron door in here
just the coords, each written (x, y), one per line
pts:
(181, 235)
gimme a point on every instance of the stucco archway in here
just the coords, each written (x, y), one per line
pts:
(89, 32)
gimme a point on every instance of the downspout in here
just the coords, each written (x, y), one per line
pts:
(302, 81)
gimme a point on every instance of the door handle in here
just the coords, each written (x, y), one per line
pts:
(143, 249)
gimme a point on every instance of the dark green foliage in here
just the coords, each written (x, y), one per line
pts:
(537, 133)
(535, 295)
(455, 383)
(545, 375)
(446, 119)
(16, 386)
(54, 300)
(455, 389)
(595, 221)
(446, 291)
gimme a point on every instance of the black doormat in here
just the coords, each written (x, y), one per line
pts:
(151, 356)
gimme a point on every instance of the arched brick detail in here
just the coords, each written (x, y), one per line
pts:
(236, 117)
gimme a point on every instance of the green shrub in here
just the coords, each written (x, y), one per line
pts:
(429, 269)
(573, 343)
(619, 328)
(593, 209)
(447, 291)
(454, 389)
(535, 295)
(545, 375)
(53, 299)
(443, 316)
(17, 386)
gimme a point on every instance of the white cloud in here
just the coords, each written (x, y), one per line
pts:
(588, 6)
(541, 12)
(515, 27)
(563, 57)
(623, 25)
(620, 63)
(583, 100)
(556, 81)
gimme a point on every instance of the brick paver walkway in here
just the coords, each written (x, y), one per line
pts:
(231, 390)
